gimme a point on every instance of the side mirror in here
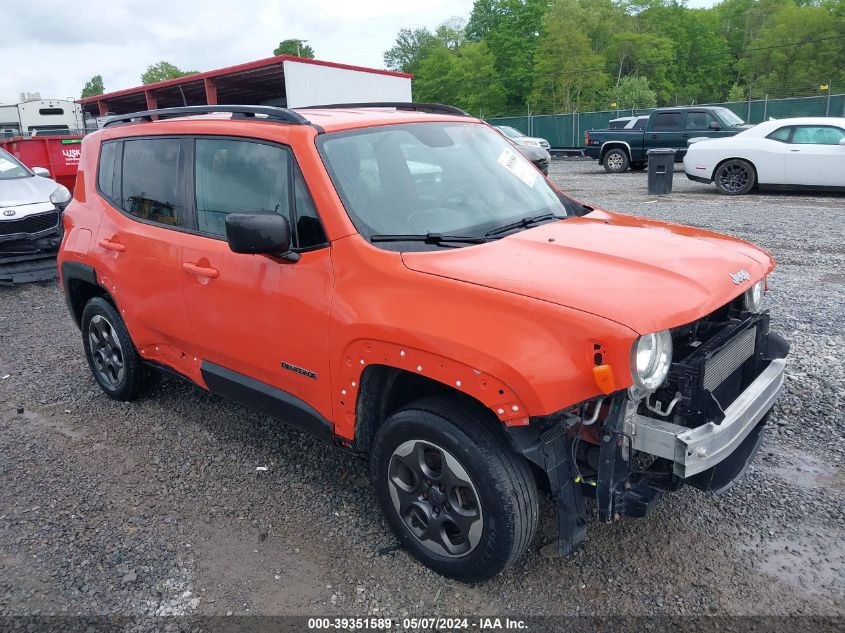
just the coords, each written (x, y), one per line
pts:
(714, 126)
(254, 234)
(41, 171)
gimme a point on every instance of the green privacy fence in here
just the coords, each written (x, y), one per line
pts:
(567, 130)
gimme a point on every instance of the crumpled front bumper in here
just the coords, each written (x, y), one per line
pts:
(23, 260)
(693, 451)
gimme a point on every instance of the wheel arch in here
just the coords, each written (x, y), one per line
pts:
(393, 376)
(742, 158)
(609, 145)
(80, 285)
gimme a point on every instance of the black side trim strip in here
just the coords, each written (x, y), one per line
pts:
(267, 399)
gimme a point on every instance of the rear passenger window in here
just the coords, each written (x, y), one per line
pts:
(666, 121)
(781, 134)
(152, 188)
(106, 172)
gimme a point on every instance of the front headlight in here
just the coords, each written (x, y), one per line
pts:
(531, 142)
(650, 359)
(60, 197)
(754, 296)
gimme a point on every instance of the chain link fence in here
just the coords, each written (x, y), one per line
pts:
(567, 130)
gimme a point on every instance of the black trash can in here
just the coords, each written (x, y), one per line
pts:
(661, 169)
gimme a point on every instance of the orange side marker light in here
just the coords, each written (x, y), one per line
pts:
(603, 375)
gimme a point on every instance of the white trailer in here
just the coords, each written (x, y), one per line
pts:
(41, 116)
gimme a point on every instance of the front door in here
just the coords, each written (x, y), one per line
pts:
(257, 321)
(815, 157)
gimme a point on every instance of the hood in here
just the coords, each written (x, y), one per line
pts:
(29, 190)
(643, 274)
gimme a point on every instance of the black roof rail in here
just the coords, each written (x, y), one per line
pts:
(280, 115)
(399, 105)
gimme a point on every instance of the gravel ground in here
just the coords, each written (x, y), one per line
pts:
(158, 507)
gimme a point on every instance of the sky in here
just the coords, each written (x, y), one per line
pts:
(54, 46)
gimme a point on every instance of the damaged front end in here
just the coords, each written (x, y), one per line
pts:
(28, 246)
(702, 427)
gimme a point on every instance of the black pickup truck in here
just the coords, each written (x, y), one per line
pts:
(617, 150)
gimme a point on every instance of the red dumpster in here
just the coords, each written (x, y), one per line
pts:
(59, 154)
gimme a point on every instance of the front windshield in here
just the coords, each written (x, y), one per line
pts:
(449, 178)
(507, 130)
(10, 167)
(729, 117)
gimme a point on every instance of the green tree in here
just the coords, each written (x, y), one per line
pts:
(93, 86)
(736, 93)
(643, 54)
(777, 63)
(294, 47)
(411, 47)
(568, 75)
(163, 71)
(466, 77)
(512, 31)
(633, 92)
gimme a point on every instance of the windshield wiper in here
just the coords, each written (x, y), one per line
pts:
(524, 223)
(431, 238)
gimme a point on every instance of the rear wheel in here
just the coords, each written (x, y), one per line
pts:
(616, 161)
(112, 357)
(454, 493)
(735, 177)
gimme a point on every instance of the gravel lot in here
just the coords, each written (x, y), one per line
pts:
(158, 507)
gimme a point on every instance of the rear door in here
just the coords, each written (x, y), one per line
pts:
(815, 157)
(667, 130)
(142, 188)
(258, 321)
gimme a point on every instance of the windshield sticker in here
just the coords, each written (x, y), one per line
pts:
(6, 164)
(519, 168)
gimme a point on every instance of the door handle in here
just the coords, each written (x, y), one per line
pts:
(200, 271)
(795, 150)
(112, 246)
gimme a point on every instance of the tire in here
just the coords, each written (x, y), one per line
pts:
(112, 357)
(735, 177)
(444, 440)
(638, 166)
(616, 161)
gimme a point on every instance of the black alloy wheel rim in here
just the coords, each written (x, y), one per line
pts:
(435, 498)
(106, 351)
(733, 177)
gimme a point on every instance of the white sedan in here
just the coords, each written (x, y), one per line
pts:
(807, 152)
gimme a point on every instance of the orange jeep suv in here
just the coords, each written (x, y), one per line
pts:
(398, 280)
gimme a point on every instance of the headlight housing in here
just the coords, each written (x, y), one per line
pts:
(60, 196)
(754, 296)
(651, 357)
(531, 142)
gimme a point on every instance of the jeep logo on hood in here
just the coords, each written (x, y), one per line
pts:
(739, 276)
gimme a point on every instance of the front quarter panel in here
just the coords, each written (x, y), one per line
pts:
(503, 349)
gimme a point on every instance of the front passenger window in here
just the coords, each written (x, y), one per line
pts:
(239, 177)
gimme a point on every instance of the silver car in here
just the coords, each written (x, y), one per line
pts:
(523, 139)
(31, 206)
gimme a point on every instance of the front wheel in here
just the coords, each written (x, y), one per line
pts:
(616, 161)
(735, 177)
(455, 494)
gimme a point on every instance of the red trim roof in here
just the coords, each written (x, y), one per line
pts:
(230, 70)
